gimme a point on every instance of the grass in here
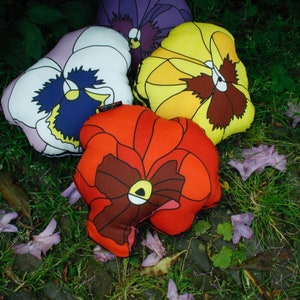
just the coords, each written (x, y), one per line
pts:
(267, 38)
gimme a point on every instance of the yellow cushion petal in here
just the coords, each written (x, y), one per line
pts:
(196, 73)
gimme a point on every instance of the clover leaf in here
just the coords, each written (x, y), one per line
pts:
(223, 258)
(225, 230)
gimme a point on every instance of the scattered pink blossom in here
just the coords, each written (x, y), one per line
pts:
(294, 113)
(103, 255)
(153, 243)
(5, 219)
(41, 243)
(241, 225)
(256, 159)
(173, 293)
(72, 193)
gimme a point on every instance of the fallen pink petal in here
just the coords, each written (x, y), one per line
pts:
(71, 193)
(256, 159)
(173, 292)
(241, 225)
(154, 244)
(41, 243)
(5, 219)
(151, 260)
(103, 255)
(294, 113)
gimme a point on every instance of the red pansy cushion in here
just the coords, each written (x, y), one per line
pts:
(136, 166)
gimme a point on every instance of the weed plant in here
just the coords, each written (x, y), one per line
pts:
(267, 35)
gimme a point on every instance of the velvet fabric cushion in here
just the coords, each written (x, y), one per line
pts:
(197, 74)
(137, 166)
(144, 23)
(51, 100)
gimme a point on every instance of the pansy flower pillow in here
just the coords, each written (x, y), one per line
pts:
(137, 166)
(52, 99)
(197, 74)
(144, 23)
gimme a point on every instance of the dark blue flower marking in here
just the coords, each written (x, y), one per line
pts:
(69, 102)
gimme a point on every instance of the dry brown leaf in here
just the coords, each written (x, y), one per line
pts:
(14, 195)
(163, 265)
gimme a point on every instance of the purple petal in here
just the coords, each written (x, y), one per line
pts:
(37, 252)
(278, 162)
(5, 220)
(151, 260)
(244, 218)
(31, 247)
(72, 193)
(8, 228)
(256, 159)
(45, 243)
(186, 296)
(241, 224)
(248, 218)
(235, 219)
(41, 243)
(236, 237)
(103, 255)
(244, 230)
(21, 248)
(172, 290)
(8, 217)
(153, 243)
(294, 113)
(245, 169)
(49, 229)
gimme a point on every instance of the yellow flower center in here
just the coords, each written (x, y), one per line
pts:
(140, 192)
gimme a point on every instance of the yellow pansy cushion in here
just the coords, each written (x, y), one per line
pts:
(196, 74)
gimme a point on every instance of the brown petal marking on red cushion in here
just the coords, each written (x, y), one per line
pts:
(115, 221)
(167, 183)
(114, 177)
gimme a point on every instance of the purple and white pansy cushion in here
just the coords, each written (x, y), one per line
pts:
(51, 100)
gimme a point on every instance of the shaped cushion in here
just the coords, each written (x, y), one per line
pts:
(54, 97)
(197, 74)
(139, 166)
(144, 23)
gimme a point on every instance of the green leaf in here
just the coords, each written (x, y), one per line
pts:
(231, 20)
(44, 14)
(14, 56)
(203, 4)
(251, 9)
(33, 40)
(223, 258)
(78, 14)
(225, 230)
(280, 79)
(201, 227)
